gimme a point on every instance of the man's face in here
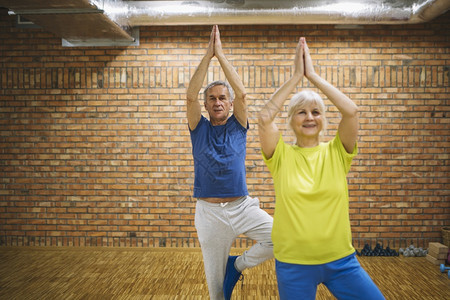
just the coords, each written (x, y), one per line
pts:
(218, 104)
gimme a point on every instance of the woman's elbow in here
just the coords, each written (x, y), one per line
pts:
(356, 109)
(353, 111)
(263, 118)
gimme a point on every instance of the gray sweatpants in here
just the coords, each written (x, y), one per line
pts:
(218, 225)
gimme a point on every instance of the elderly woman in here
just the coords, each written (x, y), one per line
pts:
(311, 231)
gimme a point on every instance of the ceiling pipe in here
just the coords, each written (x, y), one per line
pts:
(252, 12)
(430, 10)
(117, 22)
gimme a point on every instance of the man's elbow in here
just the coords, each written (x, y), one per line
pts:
(190, 97)
(241, 96)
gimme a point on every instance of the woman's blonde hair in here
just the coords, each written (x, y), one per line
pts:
(303, 99)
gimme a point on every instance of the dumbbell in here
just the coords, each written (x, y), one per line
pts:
(443, 268)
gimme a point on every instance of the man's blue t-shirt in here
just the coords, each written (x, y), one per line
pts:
(219, 159)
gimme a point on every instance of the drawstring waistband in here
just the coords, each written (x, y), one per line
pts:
(223, 204)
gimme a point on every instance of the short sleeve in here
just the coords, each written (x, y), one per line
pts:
(274, 162)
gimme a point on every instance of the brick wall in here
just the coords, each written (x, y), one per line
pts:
(94, 146)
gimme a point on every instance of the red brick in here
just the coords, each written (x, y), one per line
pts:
(94, 142)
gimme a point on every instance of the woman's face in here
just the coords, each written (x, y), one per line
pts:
(307, 121)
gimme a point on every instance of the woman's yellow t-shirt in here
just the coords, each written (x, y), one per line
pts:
(311, 221)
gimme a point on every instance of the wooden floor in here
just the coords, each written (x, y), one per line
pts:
(177, 273)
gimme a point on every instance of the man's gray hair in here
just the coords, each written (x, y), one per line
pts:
(219, 82)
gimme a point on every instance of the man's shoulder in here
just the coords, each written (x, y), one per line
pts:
(200, 123)
(236, 122)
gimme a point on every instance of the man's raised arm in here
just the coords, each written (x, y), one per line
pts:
(194, 110)
(239, 103)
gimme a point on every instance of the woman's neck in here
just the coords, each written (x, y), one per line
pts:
(308, 142)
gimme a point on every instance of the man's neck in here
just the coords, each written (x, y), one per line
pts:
(218, 122)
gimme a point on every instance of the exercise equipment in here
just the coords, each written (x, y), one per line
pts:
(377, 251)
(443, 268)
(412, 251)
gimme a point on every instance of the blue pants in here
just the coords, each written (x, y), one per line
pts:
(345, 278)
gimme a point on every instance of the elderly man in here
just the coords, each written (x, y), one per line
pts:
(223, 210)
